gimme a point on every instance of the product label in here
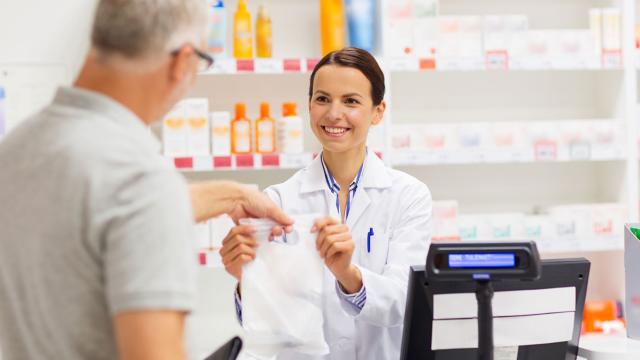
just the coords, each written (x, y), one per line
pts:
(294, 134)
(580, 150)
(217, 34)
(545, 150)
(269, 66)
(220, 131)
(242, 136)
(174, 123)
(197, 123)
(497, 60)
(265, 137)
(221, 139)
(174, 137)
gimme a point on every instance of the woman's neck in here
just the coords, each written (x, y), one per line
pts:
(344, 166)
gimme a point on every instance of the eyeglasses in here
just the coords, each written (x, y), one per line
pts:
(205, 62)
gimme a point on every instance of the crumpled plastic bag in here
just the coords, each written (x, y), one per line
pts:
(282, 292)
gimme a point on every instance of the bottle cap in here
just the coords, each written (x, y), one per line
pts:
(264, 110)
(262, 12)
(289, 109)
(241, 111)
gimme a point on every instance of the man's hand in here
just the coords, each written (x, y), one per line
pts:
(214, 198)
(254, 204)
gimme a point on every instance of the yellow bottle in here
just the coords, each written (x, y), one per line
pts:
(332, 25)
(241, 131)
(242, 38)
(265, 131)
(264, 43)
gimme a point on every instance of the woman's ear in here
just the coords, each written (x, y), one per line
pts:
(379, 113)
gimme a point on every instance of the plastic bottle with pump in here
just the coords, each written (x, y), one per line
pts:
(264, 34)
(241, 131)
(332, 25)
(217, 37)
(265, 131)
(242, 35)
(290, 130)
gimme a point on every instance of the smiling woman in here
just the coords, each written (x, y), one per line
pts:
(346, 97)
(375, 223)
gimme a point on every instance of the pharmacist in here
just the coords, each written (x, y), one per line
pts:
(95, 257)
(378, 219)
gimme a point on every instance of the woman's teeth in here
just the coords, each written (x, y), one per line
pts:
(333, 130)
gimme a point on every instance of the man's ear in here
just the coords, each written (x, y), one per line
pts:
(379, 113)
(180, 63)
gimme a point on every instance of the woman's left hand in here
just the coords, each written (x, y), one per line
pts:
(335, 245)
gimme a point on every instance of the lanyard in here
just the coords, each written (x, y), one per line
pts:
(335, 188)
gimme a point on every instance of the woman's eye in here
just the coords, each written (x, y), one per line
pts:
(352, 101)
(322, 99)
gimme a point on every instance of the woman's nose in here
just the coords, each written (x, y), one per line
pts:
(335, 111)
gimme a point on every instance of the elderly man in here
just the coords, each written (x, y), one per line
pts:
(95, 255)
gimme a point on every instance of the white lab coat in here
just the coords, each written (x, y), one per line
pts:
(398, 208)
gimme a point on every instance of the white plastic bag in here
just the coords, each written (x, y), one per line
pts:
(282, 292)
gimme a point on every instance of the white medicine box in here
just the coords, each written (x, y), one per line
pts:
(197, 118)
(174, 132)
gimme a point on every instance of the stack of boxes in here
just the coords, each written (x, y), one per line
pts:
(508, 142)
(413, 28)
(559, 228)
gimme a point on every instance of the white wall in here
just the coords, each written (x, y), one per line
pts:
(42, 46)
(45, 32)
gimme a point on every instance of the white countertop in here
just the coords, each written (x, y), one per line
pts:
(608, 347)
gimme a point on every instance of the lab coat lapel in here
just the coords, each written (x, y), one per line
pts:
(359, 204)
(375, 176)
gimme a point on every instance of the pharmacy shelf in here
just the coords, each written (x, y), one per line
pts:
(241, 162)
(546, 155)
(211, 257)
(230, 66)
(501, 61)
(603, 245)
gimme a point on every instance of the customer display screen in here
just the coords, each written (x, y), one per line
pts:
(482, 260)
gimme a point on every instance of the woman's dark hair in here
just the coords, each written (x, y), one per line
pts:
(358, 59)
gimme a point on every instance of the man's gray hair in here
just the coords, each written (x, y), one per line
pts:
(141, 28)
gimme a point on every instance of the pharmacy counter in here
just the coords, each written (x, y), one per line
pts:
(608, 347)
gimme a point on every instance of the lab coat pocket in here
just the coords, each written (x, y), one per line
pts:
(375, 252)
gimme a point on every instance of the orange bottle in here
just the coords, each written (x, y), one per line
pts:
(241, 131)
(333, 31)
(265, 131)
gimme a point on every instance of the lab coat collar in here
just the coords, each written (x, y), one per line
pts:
(374, 175)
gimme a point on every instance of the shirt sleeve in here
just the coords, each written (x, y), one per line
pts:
(238, 302)
(355, 301)
(148, 252)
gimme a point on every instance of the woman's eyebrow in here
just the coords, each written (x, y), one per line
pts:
(321, 92)
(352, 95)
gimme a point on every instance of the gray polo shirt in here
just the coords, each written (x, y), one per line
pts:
(93, 222)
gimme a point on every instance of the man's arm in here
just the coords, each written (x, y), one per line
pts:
(212, 198)
(152, 335)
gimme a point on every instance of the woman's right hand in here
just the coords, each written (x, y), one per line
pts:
(238, 248)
